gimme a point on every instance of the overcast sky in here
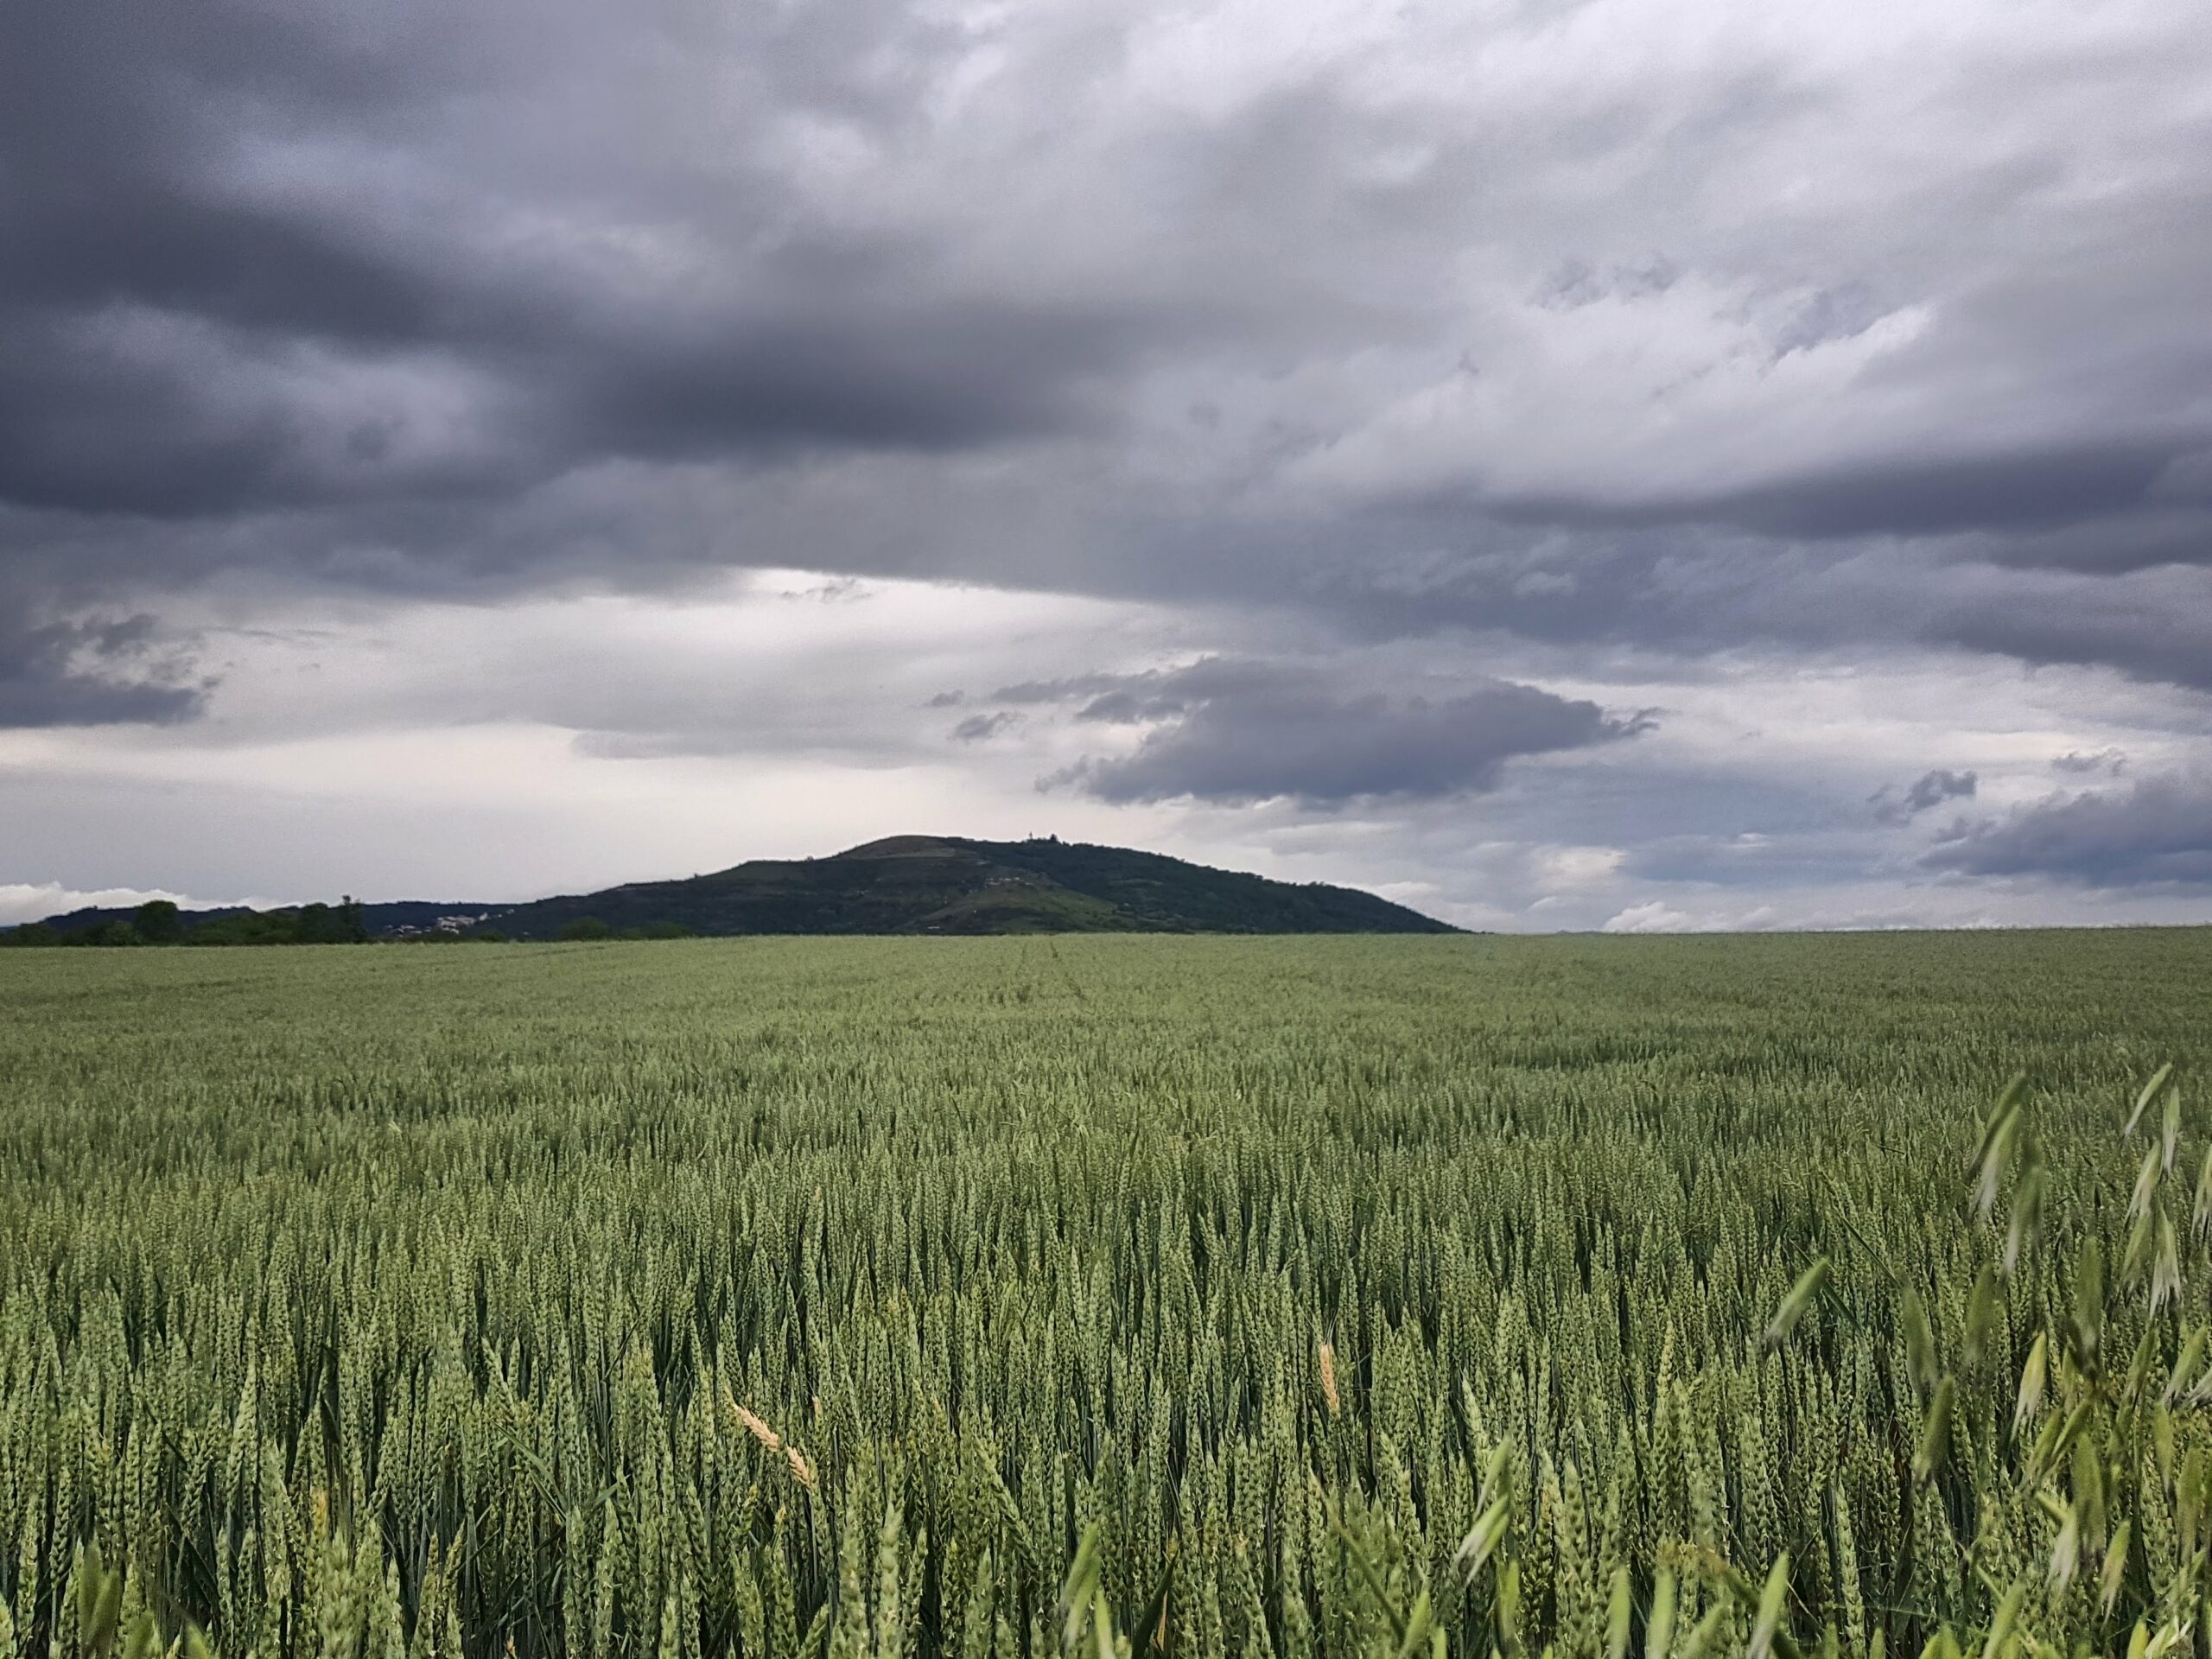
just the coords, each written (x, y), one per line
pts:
(1630, 464)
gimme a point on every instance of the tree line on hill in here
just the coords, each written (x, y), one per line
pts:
(159, 921)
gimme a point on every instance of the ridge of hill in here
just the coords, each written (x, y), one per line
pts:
(949, 884)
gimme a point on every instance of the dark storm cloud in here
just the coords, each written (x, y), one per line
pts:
(129, 411)
(120, 121)
(2026, 502)
(145, 417)
(1930, 788)
(2155, 832)
(194, 323)
(951, 377)
(88, 674)
(2031, 489)
(148, 296)
(1233, 732)
(2153, 625)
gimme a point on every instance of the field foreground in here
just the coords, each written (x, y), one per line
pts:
(1239, 1299)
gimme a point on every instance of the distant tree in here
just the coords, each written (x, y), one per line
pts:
(110, 933)
(159, 922)
(664, 931)
(322, 925)
(488, 936)
(30, 936)
(247, 927)
(587, 927)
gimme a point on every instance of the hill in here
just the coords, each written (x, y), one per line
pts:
(907, 884)
(932, 884)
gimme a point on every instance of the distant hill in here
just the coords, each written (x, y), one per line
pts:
(932, 884)
(907, 884)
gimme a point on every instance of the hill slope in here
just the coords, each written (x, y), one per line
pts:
(931, 884)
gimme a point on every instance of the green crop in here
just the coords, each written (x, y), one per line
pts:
(1124, 1297)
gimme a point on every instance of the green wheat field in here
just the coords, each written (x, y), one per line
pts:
(1286, 1299)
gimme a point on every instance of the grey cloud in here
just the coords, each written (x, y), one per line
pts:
(1135, 699)
(1933, 788)
(2110, 762)
(1237, 732)
(2152, 625)
(1128, 709)
(2027, 488)
(1673, 591)
(2138, 541)
(952, 375)
(121, 126)
(2155, 832)
(2035, 490)
(979, 728)
(164, 274)
(1930, 788)
(1577, 284)
(176, 423)
(1830, 313)
(1075, 685)
(90, 673)
(188, 416)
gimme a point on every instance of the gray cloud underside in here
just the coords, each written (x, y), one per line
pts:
(2156, 832)
(1237, 732)
(89, 674)
(2077, 761)
(1930, 788)
(980, 728)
